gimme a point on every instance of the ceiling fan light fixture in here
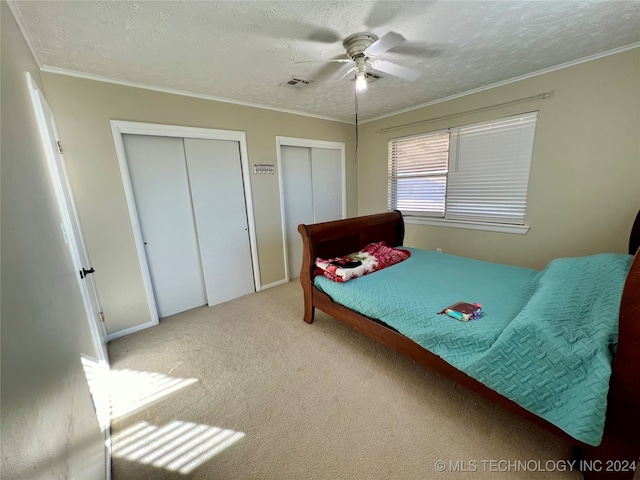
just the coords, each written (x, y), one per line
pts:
(361, 72)
(361, 81)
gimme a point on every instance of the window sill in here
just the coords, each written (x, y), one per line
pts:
(488, 227)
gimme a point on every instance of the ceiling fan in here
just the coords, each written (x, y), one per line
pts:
(363, 50)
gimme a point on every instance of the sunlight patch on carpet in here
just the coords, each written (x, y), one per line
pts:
(133, 390)
(177, 446)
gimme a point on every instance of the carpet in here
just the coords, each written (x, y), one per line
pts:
(247, 390)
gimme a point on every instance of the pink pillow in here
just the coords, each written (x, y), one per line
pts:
(373, 257)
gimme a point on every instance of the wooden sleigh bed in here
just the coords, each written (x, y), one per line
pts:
(614, 457)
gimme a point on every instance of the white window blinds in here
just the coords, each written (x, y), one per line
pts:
(489, 170)
(418, 174)
(476, 173)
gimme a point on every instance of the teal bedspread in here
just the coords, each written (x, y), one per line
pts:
(544, 339)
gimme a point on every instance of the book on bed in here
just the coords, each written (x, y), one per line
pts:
(463, 311)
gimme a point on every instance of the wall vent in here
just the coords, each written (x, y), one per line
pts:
(296, 82)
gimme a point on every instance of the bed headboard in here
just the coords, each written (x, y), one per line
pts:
(338, 238)
(342, 237)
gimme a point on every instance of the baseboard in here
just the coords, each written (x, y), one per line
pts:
(274, 284)
(130, 330)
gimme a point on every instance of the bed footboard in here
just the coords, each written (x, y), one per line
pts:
(621, 440)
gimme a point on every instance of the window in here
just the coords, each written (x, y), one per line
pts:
(473, 173)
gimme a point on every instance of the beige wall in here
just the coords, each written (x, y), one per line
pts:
(83, 109)
(584, 187)
(49, 428)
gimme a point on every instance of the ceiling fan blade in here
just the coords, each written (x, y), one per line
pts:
(323, 35)
(382, 13)
(342, 60)
(346, 74)
(384, 43)
(329, 71)
(396, 70)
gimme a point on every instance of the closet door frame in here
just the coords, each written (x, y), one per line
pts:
(309, 143)
(119, 128)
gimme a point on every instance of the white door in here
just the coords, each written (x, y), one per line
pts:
(158, 172)
(217, 192)
(312, 192)
(297, 193)
(74, 239)
(326, 175)
(71, 223)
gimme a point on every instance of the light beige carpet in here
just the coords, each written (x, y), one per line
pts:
(272, 397)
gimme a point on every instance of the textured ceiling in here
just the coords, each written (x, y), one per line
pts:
(243, 50)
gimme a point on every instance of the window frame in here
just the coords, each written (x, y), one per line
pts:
(429, 219)
(412, 170)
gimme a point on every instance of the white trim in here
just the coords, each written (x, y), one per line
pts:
(248, 199)
(275, 284)
(118, 128)
(507, 82)
(282, 213)
(308, 143)
(488, 227)
(100, 78)
(25, 33)
(184, 93)
(130, 330)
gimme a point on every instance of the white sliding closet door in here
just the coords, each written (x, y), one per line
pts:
(158, 172)
(298, 200)
(312, 193)
(217, 192)
(327, 184)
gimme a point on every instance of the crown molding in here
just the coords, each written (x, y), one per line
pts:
(172, 91)
(511, 80)
(12, 4)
